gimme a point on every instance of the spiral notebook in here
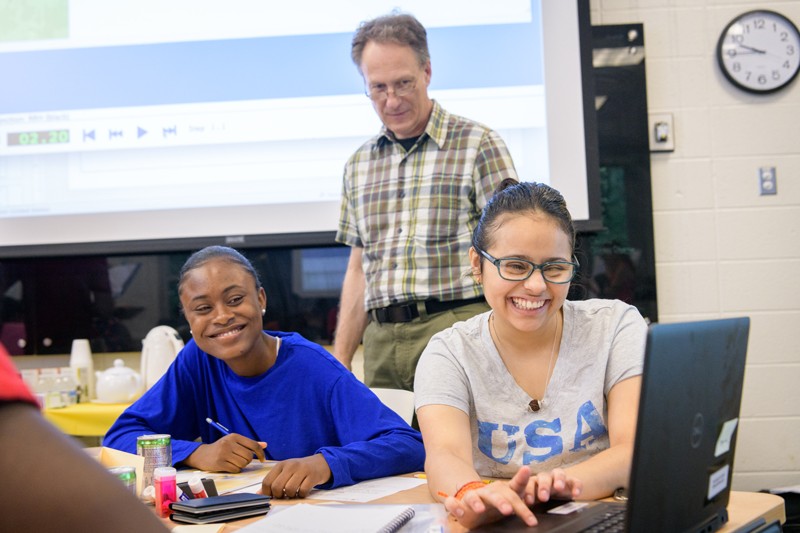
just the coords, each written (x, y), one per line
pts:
(336, 518)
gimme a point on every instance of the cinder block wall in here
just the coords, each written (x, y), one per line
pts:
(721, 248)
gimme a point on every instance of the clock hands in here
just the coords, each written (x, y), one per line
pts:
(735, 49)
(754, 50)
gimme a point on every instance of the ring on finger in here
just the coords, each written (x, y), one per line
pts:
(284, 493)
(297, 493)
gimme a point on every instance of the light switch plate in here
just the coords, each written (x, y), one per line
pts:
(661, 130)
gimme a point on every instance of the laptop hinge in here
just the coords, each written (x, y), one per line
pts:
(714, 523)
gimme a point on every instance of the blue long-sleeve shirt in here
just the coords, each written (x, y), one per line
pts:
(307, 403)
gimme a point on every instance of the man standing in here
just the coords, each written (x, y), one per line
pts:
(410, 200)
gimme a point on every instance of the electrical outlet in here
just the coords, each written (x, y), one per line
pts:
(661, 132)
(767, 180)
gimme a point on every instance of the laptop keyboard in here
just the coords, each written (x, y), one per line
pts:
(610, 521)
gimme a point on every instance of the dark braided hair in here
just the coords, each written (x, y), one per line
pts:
(201, 257)
(522, 197)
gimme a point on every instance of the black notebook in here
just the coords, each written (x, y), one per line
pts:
(219, 508)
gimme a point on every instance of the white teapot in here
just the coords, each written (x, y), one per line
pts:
(118, 384)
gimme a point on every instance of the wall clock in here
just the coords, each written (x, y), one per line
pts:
(759, 51)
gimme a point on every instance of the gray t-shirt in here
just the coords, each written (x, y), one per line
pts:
(602, 344)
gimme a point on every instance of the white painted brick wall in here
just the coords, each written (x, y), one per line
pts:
(721, 249)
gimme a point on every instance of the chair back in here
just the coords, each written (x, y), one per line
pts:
(399, 401)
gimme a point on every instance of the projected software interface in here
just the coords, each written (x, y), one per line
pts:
(114, 108)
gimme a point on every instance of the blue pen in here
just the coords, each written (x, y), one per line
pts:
(220, 427)
(226, 431)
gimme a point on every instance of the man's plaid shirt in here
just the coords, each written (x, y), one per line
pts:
(413, 212)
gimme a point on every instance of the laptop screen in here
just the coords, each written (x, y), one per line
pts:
(688, 417)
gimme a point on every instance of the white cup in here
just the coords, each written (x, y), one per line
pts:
(81, 351)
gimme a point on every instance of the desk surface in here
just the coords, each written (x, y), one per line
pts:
(85, 419)
(744, 507)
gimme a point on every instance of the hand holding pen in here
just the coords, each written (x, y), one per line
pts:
(225, 431)
(231, 453)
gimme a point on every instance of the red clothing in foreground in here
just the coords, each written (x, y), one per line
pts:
(12, 388)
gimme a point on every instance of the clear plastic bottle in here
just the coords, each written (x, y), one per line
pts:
(67, 386)
(30, 376)
(33, 379)
(48, 385)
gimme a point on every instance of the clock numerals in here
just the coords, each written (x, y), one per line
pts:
(758, 51)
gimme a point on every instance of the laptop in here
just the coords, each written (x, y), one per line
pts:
(685, 437)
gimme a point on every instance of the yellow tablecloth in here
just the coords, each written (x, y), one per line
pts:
(85, 419)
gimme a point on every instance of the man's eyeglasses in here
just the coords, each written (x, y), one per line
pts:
(380, 91)
(515, 269)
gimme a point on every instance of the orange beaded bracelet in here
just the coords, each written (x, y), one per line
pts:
(467, 487)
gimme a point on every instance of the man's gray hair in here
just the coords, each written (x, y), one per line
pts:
(396, 28)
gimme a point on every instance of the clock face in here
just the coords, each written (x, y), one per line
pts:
(759, 51)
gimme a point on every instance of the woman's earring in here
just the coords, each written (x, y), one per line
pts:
(263, 312)
(191, 333)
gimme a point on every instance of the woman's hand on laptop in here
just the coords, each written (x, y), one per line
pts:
(488, 503)
(554, 484)
(478, 503)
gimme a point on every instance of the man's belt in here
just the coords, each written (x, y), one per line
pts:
(409, 311)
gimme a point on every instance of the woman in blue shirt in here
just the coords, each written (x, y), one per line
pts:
(282, 397)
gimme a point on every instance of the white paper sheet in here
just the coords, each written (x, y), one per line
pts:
(367, 491)
(249, 480)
